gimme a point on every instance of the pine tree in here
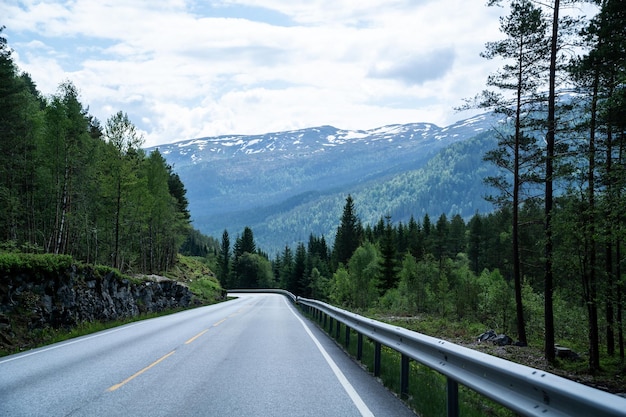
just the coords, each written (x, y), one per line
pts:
(388, 261)
(441, 235)
(427, 239)
(224, 261)
(548, 279)
(247, 242)
(457, 239)
(475, 238)
(300, 274)
(413, 238)
(525, 47)
(348, 234)
(242, 262)
(286, 274)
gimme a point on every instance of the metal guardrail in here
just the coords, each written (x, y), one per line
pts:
(270, 290)
(525, 390)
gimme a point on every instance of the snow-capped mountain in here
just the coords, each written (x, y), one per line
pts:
(324, 139)
(238, 180)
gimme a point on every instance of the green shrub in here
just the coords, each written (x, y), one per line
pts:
(47, 263)
(206, 288)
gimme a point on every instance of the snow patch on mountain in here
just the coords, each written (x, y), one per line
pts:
(321, 139)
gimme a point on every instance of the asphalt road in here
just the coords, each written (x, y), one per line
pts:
(253, 356)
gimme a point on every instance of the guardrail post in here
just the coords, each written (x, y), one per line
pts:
(452, 394)
(338, 330)
(347, 337)
(376, 358)
(359, 346)
(325, 317)
(404, 377)
(330, 329)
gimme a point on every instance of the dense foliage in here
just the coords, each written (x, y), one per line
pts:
(68, 186)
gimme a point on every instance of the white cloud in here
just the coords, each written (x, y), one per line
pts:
(416, 69)
(187, 68)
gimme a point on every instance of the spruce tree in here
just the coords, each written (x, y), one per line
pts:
(388, 262)
(475, 243)
(224, 261)
(300, 273)
(247, 241)
(286, 270)
(349, 233)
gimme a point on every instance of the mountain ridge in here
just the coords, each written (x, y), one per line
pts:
(334, 137)
(234, 181)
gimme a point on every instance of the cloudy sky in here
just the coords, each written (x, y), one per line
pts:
(184, 69)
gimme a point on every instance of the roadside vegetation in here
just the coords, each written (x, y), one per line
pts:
(196, 272)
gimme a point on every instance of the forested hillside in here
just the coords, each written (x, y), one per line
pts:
(69, 185)
(451, 182)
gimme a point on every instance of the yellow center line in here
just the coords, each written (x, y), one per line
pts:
(219, 322)
(196, 336)
(130, 378)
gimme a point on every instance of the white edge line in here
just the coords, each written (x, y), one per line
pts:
(67, 343)
(354, 396)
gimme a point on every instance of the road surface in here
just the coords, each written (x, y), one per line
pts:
(252, 356)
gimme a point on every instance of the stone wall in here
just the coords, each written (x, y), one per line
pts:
(65, 298)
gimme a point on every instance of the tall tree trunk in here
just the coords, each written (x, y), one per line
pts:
(610, 284)
(590, 273)
(550, 139)
(618, 269)
(118, 209)
(517, 274)
(618, 301)
(59, 246)
(610, 300)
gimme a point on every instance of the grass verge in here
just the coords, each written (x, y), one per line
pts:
(47, 336)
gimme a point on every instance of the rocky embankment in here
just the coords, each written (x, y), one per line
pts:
(34, 300)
